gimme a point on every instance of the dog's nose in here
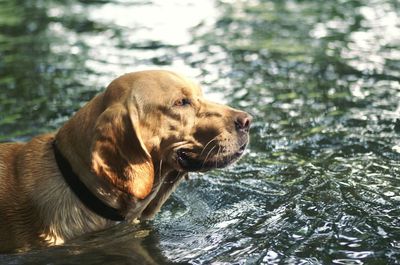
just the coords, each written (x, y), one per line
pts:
(243, 121)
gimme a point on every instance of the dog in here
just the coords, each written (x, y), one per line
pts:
(117, 159)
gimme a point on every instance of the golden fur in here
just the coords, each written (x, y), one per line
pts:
(131, 145)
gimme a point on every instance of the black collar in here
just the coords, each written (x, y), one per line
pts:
(82, 192)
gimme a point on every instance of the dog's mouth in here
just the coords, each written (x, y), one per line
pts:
(189, 160)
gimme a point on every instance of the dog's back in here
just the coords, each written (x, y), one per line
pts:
(9, 194)
(22, 172)
(8, 171)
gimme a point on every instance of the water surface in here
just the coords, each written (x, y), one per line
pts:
(320, 182)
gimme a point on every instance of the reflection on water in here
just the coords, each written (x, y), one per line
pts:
(56, 55)
(320, 182)
(123, 244)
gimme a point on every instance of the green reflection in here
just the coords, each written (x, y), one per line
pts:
(42, 64)
(320, 184)
(322, 79)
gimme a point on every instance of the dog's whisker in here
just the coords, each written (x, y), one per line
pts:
(213, 139)
(216, 160)
(160, 168)
(209, 152)
(181, 143)
(178, 175)
(159, 175)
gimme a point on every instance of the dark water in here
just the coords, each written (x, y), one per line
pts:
(321, 181)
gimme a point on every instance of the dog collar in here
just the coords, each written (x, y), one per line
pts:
(82, 192)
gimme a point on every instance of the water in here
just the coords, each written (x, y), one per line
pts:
(320, 182)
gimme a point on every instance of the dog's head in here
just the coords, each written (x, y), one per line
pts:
(154, 118)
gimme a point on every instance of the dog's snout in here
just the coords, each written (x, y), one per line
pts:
(243, 121)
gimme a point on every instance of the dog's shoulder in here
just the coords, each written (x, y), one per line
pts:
(8, 153)
(13, 155)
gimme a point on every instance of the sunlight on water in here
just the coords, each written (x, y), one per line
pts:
(146, 31)
(319, 183)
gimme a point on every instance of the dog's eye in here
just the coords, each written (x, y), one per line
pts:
(182, 102)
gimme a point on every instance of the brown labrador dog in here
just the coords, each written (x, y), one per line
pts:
(118, 158)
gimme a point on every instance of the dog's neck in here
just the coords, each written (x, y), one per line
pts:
(130, 208)
(83, 193)
(74, 142)
(83, 179)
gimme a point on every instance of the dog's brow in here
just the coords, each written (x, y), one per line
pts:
(187, 92)
(167, 111)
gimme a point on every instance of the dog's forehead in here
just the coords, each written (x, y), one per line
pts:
(172, 81)
(156, 83)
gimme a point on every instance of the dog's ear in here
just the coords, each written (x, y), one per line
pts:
(119, 154)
